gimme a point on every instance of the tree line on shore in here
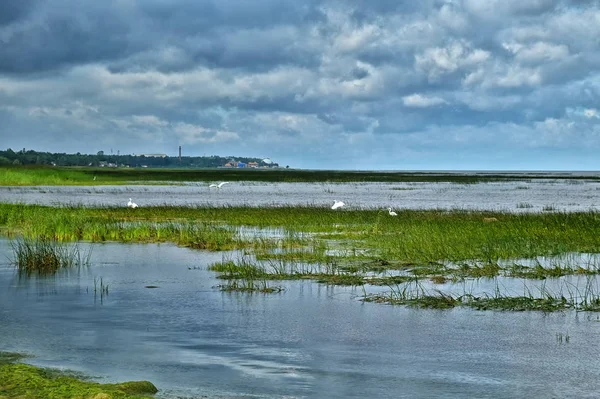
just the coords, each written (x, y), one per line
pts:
(31, 157)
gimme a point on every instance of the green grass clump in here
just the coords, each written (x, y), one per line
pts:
(22, 381)
(540, 272)
(519, 303)
(243, 276)
(243, 269)
(339, 279)
(427, 301)
(45, 256)
(413, 293)
(250, 286)
(442, 300)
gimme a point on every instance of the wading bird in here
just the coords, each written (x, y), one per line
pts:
(392, 213)
(337, 204)
(219, 185)
(132, 204)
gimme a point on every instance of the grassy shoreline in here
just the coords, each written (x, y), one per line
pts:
(23, 381)
(50, 176)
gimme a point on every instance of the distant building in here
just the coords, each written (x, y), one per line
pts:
(228, 165)
(241, 165)
(253, 164)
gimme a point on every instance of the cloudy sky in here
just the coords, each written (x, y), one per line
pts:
(349, 84)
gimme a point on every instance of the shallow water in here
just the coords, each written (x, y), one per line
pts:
(310, 341)
(513, 196)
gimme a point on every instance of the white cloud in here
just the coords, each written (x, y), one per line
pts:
(538, 52)
(149, 120)
(452, 18)
(591, 113)
(355, 39)
(439, 61)
(420, 101)
(504, 76)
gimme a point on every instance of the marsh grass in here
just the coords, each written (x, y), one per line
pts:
(243, 276)
(426, 239)
(250, 286)
(250, 270)
(568, 297)
(19, 380)
(45, 175)
(414, 236)
(45, 256)
(353, 247)
(540, 272)
(560, 337)
(11, 357)
(519, 303)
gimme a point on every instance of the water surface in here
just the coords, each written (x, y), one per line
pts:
(514, 196)
(310, 341)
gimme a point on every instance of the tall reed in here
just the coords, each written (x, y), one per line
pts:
(44, 256)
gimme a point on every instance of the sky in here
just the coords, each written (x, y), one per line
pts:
(319, 84)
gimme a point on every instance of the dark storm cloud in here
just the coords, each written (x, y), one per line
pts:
(193, 16)
(216, 34)
(65, 33)
(11, 11)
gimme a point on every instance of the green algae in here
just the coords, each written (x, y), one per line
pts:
(23, 381)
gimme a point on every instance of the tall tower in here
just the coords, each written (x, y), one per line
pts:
(179, 153)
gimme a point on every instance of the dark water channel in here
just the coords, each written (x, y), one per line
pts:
(311, 340)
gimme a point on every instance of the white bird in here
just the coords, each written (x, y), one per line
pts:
(132, 204)
(392, 213)
(218, 185)
(337, 204)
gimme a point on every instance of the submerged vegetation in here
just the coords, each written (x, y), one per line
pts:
(24, 381)
(415, 293)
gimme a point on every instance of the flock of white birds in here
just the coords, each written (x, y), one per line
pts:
(336, 204)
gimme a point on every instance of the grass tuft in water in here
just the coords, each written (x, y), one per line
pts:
(46, 256)
(250, 286)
